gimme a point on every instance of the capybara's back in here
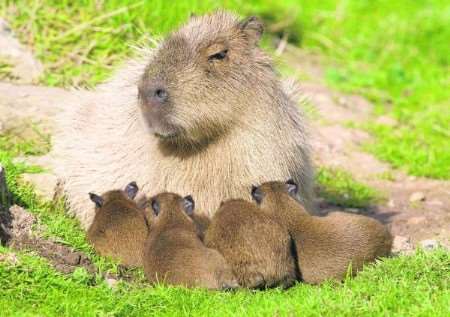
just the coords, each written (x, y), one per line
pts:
(258, 249)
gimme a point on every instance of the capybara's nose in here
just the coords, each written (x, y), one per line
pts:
(154, 94)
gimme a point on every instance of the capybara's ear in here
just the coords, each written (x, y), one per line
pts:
(96, 199)
(253, 28)
(131, 190)
(292, 187)
(189, 205)
(257, 194)
(155, 206)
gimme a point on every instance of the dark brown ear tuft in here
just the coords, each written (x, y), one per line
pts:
(131, 190)
(257, 194)
(155, 206)
(292, 187)
(253, 28)
(96, 199)
(189, 205)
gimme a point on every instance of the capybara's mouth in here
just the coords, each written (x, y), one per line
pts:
(167, 136)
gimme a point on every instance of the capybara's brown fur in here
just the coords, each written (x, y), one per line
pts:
(258, 249)
(204, 113)
(327, 247)
(119, 228)
(174, 253)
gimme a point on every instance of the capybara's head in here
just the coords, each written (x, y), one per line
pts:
(202, 77)
(129, 193)
(275, 194)
(172, 208)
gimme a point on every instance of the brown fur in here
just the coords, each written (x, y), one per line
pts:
(326, 246)
(119, 229)
(258, 249)
(227, 123)
(174, 253)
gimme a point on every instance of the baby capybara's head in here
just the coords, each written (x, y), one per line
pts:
(202, 77)
(172, 209)
(275, 194)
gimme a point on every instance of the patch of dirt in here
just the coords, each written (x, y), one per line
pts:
(20, 236)
(335, 145)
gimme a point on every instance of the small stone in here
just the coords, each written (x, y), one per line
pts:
(386, 120)
(429, 244)
(22, 221)
(402, 245)
(352, 210)
(342, 101)
(416, 220)
(73, 258)
(391, 203)
(112, 282)
(417, 196)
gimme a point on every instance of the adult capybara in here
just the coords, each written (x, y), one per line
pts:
(203, 113)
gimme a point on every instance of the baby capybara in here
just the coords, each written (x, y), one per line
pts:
(119, 228)
(327, 247)
(258, 249)
(174, 253)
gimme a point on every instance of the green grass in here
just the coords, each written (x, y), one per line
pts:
(339, 188)
(396, 53)
(403, 286)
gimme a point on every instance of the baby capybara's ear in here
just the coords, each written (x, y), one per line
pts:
(292, 187)
(96, 199)
(131, 190)
(257, 194)
(189, 205)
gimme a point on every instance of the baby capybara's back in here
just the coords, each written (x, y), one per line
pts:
(339, 244)
(119, 228)
(327, 247)
(174, 253)
(258, 249)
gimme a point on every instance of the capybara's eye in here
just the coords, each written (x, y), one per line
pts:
(155, 207)
(218, 56)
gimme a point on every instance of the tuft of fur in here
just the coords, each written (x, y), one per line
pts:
(327, 247)
(258, 249)
(119, 229)
(175, 254)
(237, 123)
